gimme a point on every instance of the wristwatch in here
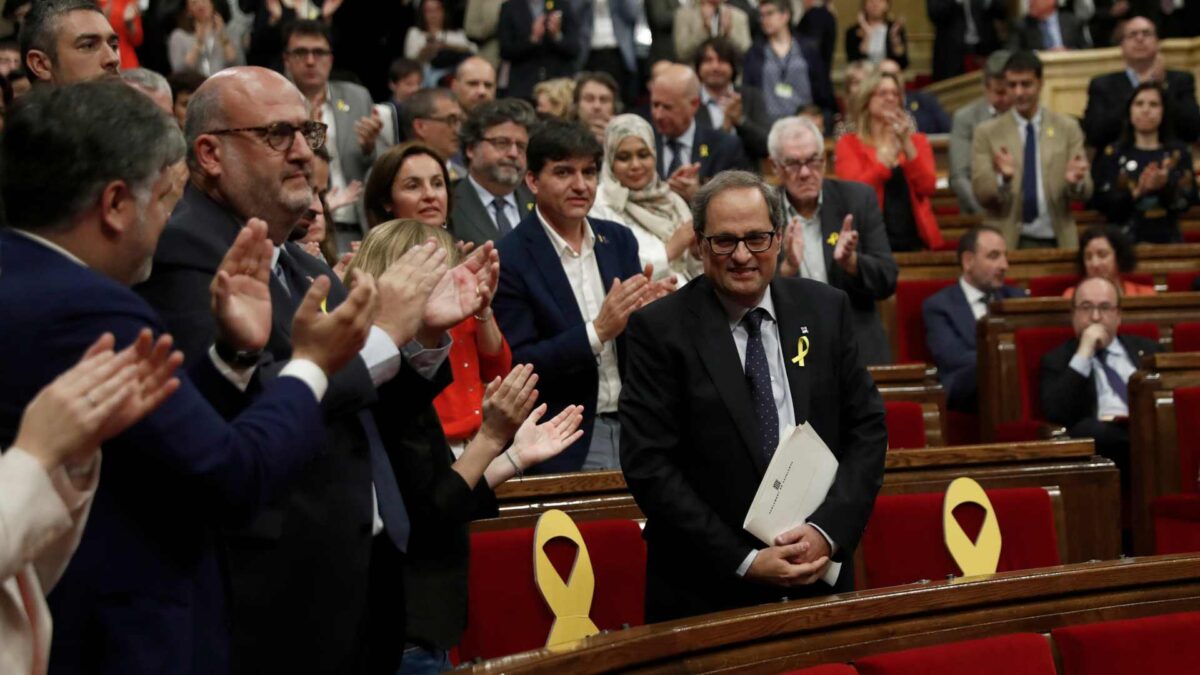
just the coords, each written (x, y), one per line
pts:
(235, 358)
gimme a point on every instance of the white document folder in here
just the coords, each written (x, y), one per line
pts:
(794, 486)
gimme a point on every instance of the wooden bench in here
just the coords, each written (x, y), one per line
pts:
(916, 382)
(1154, 447)
(836, 629)
(1089, 484)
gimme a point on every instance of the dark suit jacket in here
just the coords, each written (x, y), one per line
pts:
(950, 26)
(715, 150)
(321, 528)
(931, 117)
(1108, 101)
(533, 63)
(1068, 398)
(854, 45)
(950, 336)
(539, 317)
(818, 72)
(1026, 33)
(689, 440)
(471, 220)
(819, 26)
(755, 126)
(144, 592)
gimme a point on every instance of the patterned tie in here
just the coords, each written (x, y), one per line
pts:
(1119, 386)
(1029, 202)
(502, 224)
(676, 156)
(758, 376)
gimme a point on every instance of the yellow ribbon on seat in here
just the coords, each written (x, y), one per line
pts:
(571, 601)
(981, 556)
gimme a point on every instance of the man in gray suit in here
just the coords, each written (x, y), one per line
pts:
(347, 109)
(835, 232)
(493, 198)
(993, 102)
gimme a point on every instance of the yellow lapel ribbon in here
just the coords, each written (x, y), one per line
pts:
(703, 150)
(981, 556)
(833, 239)
(341, 105)
(571, 602)
(801, 351)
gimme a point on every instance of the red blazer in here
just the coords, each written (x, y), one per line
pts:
(855, 160)
(460, 405)
(129, 37)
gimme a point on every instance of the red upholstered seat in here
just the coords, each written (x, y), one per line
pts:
(507, 613)
(1024, 653)
(905, 424)
(1051, 286)
(827, 669)
(910, 326)
(1155, 645)
(1180, 282)
(1177, 517)
(1187, 336)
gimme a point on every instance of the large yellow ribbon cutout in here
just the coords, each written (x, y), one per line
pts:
(801, 351)
(571, 602)
(973, 557)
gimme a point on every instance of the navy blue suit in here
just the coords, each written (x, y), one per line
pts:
(539, 317)
(714, 149)
(950, 336)
(144, 592)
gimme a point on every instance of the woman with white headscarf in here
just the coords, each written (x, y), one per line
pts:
(631, 193)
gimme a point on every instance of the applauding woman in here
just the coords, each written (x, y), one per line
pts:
(875, 36)
(202, 42)
(1145, 180)
(886, 152)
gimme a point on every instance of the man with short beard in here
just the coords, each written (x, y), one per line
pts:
(65, 41)
(493, 198)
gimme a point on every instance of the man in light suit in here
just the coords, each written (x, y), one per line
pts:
(714, 381)
(567, 286)
(951, 313)
(993, 102)
(347, 109)
(1028, 165)
(705, 19)
(493, 198)
(834, 233)
(86, 205)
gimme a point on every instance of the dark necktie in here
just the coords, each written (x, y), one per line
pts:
(1119, 386)
(387, 490)
(502, 224)
(676, 156)
(1029, 202)
(758, 376)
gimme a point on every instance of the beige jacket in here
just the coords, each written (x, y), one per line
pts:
(41, 520)
(690, 31)
(480, 24)
(1059, 139)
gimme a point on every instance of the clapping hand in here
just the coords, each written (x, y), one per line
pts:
(241, 297)
(657, 289)
(332, 339)
(685, 181)
(404, 288)
(463, 291)
(507, 402)
(1003, 162)
(336, 198)
(1152, 179)
(623, 298)
(554, 24)
(538, 30)
(1077, 169)
(367, 130)
(535, 443)
(845, 252)
(793, 247)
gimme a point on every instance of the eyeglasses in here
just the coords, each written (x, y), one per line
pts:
(302, 53)
(1135, 34)
(814, 164)
(281, 135)
(505, 144)
(1105, 308)
(452, 120)
(726, 244)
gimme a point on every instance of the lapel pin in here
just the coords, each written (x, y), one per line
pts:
(1050, 132)
(528, 206)
(801, 351)
(833, 239)
(914, 105)
(549, 5)
(600, 238)
(704, 150)
(804, 330)
(341, 105)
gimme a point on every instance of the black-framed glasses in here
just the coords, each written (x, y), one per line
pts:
(505, 144)
(303, 53)
(281, 135)
(453, 121)
(814, 164)
(1104, 308)
(726, 244)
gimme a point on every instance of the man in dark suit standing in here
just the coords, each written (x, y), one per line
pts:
(1085, 382)
(540, 40)
(567, 286)
(733, 110)
(688, 153)
(714, 381)
(86, 204)
(963, 29)
(1045, 28)
(951, 313)
(344, 522)
(1108, 95)
(493, 198)
(835, 233)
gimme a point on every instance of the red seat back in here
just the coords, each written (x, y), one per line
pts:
(1051, 286)
(910, 326)
(1032, 344)
(903, 542)
(827, 669)
(905, 424)
(1155, 645)
(1025, 653)
(1187, 411)
(1176, 523)
(507, 613)
(1187, 336)
(1180, 282)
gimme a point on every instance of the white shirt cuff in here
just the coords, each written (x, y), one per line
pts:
(427, 361)
(381, 356)
(309, 373)
(1081, 365)
(828, 540)
(594, 339)
(239, 378)
(745, 566)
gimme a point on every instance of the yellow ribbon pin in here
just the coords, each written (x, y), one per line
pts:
(981, 556)
(801, 351)
(549, 5)
(341, 105)
(1050, 132)
(833, 238)
(571, 602)
(703, 150)
(529, 206)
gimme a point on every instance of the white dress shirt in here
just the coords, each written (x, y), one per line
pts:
(813, 264)
(511, 210)
(583, 273)
(974, 298)
(1108, 404)
(1041, 227)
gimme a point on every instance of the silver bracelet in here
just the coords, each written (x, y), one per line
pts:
(516, 467)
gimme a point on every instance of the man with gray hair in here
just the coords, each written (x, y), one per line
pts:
(835, 232)
(65, 41)
(993, 102)
(716, 376)
(153, 85)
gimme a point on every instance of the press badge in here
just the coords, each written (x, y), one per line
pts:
(783, 90)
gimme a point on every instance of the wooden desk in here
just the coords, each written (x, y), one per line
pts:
(917, 382)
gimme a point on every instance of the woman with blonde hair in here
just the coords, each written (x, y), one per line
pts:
(885, 151)
(555, 98)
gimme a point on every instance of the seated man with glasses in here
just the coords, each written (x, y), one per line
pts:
(1085, 382)
(433, 117)
(834, 233)
(716, 375)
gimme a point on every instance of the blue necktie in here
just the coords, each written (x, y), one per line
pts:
(1119, 386)
(387, 490)
(502, 224)
(758, 376)
(676, 160)
(1029, 202)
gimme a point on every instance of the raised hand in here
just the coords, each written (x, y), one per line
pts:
(336, 198)
(405, 287)
(793, 247)
(1077, 169)
(1003, 162)
(657, 289)
(464, 290)
(624, 297)
(241, 297)
(535, 443)
(507, 402)
(554, 24)
(845, 252)
(685, 181)
(367, 130)
(681, 240)
(538, 31)
(331, 340)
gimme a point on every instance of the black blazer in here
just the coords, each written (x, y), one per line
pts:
(854, 50)
(755, 126)
(1108, 102)
(534, 63)
(819, 26)
(715, 150)
(950, 26)
(1067, 396)
(1026, 33)
(689, 444)
(471, 219)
